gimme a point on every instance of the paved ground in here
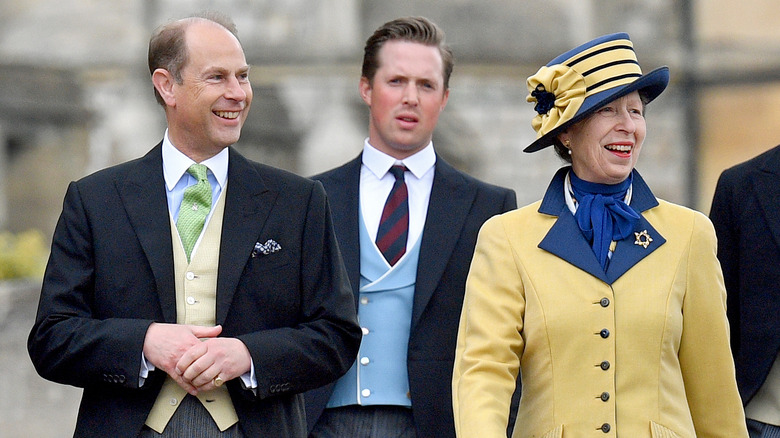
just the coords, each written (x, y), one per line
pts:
(31, 407)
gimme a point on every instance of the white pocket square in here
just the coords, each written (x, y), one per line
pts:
(270, 246)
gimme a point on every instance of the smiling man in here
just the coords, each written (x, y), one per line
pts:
(192, 292)
(407, 258)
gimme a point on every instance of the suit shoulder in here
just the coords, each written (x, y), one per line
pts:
(328, 174)
(248, 176)
(770, 157)
(282, 174)
(276, 177)
(339, 172)
(483, 185)
(492, 194)
(103, 176)
(668, 214)
(677, 209)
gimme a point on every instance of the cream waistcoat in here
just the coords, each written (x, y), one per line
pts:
(196, 298)
(765, 405)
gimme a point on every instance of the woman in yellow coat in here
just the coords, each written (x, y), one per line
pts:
(609, 302)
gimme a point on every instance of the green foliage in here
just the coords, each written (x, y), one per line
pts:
(22, 255)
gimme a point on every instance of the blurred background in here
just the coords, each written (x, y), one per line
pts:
(75, 97)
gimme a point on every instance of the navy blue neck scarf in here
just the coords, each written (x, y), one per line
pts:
(602, 214)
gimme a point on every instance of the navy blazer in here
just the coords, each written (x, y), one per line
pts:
(110, 275)
(459, 205)
(746, 215)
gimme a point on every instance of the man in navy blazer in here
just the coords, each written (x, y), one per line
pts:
(746, 215)
(109, 318)
(404, 82)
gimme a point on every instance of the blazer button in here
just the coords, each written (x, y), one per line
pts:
(605, 428)
(604, 396)
(604, 302)
(604, 333)
(604, 365)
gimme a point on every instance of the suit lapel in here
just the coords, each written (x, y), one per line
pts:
(765, 183)
(449, 205)
(630, 250)
(248, 203)
(345, 205)
(566, 241)
(143, 195)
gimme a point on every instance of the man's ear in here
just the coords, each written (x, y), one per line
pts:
(444, 100)
(364, 87)
(163, 82)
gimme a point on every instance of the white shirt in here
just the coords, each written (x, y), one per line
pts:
(175, 165)
(376, 182)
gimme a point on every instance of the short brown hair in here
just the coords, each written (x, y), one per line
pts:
(168, 49)
(414, 29)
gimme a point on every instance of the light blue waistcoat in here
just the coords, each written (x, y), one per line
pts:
(379, 376)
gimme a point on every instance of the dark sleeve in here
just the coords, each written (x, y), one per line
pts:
(510, 200)
(727, 231)
(324, 343)
(71, 342)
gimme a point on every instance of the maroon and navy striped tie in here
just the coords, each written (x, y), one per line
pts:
(394, 225)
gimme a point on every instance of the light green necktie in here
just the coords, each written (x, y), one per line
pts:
(194, 208)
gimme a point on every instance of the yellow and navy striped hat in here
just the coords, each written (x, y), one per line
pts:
(582, 80)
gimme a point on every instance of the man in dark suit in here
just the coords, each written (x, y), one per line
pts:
(409, 302)
(213, 331)
(746, 215)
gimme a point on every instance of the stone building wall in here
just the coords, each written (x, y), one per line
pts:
(307, 115)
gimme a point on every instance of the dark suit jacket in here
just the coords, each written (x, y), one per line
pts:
(459, 204)
(110, 275)
(746, 215)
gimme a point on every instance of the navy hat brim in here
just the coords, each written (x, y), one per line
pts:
(650, 85)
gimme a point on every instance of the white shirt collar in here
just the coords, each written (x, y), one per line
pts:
(175, 164)
(379, 163)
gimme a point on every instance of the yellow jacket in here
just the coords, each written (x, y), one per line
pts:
(639, 351)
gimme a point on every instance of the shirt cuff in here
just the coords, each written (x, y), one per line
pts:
(250, 379)
(147, 367)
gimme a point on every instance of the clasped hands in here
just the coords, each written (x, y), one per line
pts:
(194, 356)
